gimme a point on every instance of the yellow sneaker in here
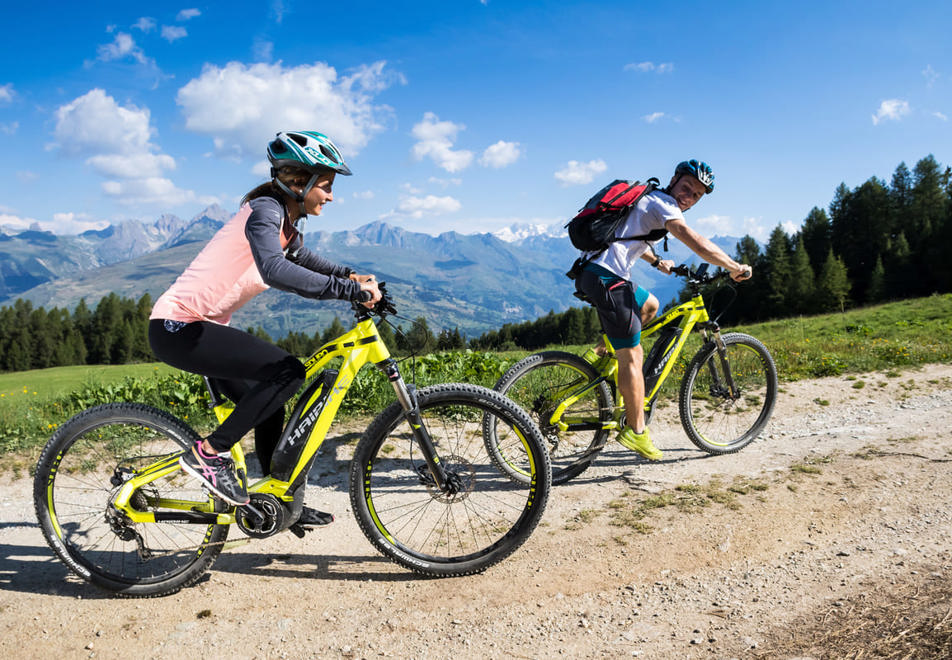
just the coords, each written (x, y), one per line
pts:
(596, 360)
(640, 442)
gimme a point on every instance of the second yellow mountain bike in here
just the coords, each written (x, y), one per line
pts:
(727, 391)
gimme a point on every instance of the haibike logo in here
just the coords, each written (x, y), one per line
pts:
(304, 427)
(664, 360)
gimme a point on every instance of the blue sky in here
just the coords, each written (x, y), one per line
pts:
(464, 115)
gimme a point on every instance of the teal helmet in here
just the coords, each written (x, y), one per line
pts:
(699, 170)
(310, 151)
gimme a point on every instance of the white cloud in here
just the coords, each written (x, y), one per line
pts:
(411, 189)
(122, 46)
(155, 191)
(417, 207)
(366, 194)
(95, 123)
(6, 93)
(931, 75)
(10, 223)
(173, 33)
(940, 115)
(648, 67)
(116, 142)
(132, 166)
(62, 223)
(575, 173)
(263, 50)
(242, 107)
(653, 117)
(435, 140)
(9, 128)
(74, 223)
(501, 154)
(145, 24)
(187, 14)
(893, 109)
(445, 183)
(723, 225)
(27, 176)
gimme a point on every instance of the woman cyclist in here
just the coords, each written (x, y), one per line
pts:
(258, 248)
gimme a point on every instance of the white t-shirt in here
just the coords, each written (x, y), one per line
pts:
(651, 212)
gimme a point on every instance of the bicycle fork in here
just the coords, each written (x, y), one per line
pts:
(406, 395)
(716, 384)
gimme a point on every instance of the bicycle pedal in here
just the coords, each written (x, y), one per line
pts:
(299, 530)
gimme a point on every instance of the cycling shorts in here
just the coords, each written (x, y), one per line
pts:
(617, 301)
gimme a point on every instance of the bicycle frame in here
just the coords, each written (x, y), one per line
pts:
(686, 316)
(312, 419)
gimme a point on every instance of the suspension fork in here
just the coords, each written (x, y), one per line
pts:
(406, 395)
(721, 348)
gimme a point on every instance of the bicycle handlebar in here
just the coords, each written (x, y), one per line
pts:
(383, 308)
(699, 276)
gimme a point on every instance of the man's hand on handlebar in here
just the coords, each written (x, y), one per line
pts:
(742, 272)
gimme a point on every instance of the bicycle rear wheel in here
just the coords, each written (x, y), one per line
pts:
(79, 472)
(539, 383)
(717, 420)
(483, 519)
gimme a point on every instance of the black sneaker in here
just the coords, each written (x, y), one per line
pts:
(310, 518)
(217, 473)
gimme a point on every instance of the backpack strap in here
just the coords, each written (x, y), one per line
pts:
(653, 235)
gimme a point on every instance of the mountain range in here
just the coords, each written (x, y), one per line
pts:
(474, 282)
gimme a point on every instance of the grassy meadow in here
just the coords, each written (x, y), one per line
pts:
(883, 338)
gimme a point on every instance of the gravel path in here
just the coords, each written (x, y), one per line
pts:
(840, 507)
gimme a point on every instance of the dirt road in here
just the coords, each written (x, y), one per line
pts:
(831, 530)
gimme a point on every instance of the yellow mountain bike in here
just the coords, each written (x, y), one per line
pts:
(115, 506)
(727, 394)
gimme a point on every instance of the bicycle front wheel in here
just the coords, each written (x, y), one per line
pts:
(540, 383)
(719, 418)
(78, 474)
(481, 517)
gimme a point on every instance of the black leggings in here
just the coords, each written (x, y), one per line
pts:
(257, 375)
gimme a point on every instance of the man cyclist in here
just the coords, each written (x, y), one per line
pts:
(259, 247)
(624, 307)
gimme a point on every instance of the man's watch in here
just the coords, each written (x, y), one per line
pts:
(657, 260)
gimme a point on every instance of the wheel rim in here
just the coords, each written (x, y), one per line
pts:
(100, 539)
(472, 520)
(719, 418)
(539, 391)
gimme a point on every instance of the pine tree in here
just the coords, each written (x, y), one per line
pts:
(833, 286)
(877, 283)
(778, 272)
(802, 287)
(816, 237)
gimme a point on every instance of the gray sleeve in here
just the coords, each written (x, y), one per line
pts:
(263, 231)
(304, 257)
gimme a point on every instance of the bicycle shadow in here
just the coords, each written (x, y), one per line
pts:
(616, 465)
(34, 569)
(322, 567)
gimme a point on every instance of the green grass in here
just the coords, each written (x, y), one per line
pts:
(50, 383)
(884, 338)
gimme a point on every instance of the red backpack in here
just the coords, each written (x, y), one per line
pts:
(593, 228)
